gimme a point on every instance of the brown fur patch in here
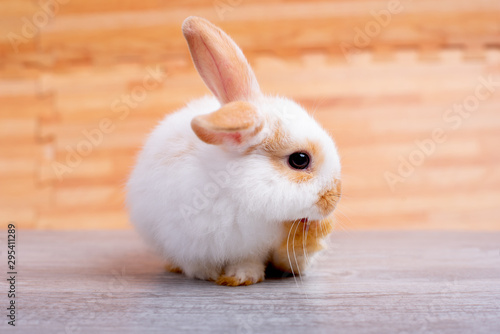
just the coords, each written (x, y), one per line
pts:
(173, 269)
(329, 198)
(233, 281)
(279, 146)
(300, 238)
(233, 116)
(236, 120)
(251, 149)
(278, 142)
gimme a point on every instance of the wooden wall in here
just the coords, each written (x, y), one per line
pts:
(401, 85)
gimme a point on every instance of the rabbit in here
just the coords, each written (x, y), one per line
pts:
(235, 182)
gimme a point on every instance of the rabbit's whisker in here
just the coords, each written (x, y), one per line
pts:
(305, 233)
(295, 254)
(288, 252)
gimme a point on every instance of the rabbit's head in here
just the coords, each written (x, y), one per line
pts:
(291, 168)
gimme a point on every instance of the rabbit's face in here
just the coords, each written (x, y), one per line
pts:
(294, 168)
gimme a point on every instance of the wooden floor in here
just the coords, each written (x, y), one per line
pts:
(367, 282)
(380, 99)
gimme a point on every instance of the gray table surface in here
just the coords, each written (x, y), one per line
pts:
(366, 282)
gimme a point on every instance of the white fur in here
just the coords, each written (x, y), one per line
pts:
(206, 208)
(213, 209)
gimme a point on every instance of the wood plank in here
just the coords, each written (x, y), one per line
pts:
(16, 35)
(160, 29)
(90, 196)
(96, 219)
(446, 282)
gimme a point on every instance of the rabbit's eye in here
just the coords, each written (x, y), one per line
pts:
(298, 160)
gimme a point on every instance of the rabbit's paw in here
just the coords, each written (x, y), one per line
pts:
(173, 268)
(242, 273)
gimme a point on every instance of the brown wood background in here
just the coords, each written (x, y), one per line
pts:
(63, 72)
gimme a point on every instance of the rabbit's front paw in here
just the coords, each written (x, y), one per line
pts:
(242, 273)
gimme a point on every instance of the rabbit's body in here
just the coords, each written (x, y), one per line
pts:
(197, 216)
(213, 190)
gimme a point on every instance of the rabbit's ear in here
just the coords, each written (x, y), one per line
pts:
(234, 124)
(219, 61)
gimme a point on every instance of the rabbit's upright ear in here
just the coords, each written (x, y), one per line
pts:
(219, 61)
(233, 125)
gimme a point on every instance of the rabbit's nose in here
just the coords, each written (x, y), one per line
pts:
(329, 198)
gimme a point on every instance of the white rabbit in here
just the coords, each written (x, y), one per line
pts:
(232, 183)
